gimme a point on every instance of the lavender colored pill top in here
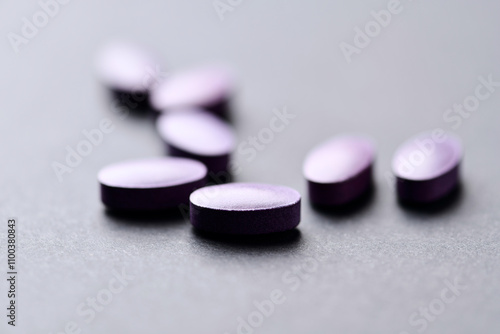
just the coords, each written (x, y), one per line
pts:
(339, 159)
(244, 197)
(197, 87)
(123, 66)
(245, 208)
(196, 131)
(427, 156)
(152, 173)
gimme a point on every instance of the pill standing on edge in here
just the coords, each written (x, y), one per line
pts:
(199, 135)
(128, 69)
(206, 87)
(245, 208)
(427, 166)
(150, 184)
(339, 170)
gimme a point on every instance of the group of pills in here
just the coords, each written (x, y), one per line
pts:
(191, 105)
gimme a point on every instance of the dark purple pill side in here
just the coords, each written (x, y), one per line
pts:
(197, 134)
(427, 166)
(150, 184)
(339, 170)
(245, 208)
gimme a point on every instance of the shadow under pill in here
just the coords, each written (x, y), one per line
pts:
(153, 218)
(343, 211)
(291, 238)
(446, 204)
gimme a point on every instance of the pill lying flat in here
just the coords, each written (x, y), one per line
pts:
(124, 67)
(199, 135)
(206, 87)
(150, 184)
(339, 170)
(426, 166)
(245, 208)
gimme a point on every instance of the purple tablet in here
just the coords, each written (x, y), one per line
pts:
(199, 135)
(206, 87)
(150, 184)
(126, 68)
(426, 166)
(245, 208)
(339, 170)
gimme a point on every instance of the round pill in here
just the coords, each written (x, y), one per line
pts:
(339, 170)
(126, 68)
(426, 166)
(199, 135)
(245, 208)
(207, 87)
(150, 184)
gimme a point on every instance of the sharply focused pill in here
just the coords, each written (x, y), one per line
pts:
(339, 170)
(427, 166)
(208, 88)
(150, 184)
(199, 135)
(245, 208)
(126, 68)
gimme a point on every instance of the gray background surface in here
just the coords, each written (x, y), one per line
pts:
(374, 267)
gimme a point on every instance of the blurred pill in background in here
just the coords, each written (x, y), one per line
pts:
(129, 72)
(339, 170)
(208, 87)
(197, 134)
(150, 184)
(426, 166)
(245, 208)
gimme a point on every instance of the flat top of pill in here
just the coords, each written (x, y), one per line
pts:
(339, 159)
(244, 197)
(196, 87)
(427, 156)
(126, 67)
(152, 173)
(196, 131)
